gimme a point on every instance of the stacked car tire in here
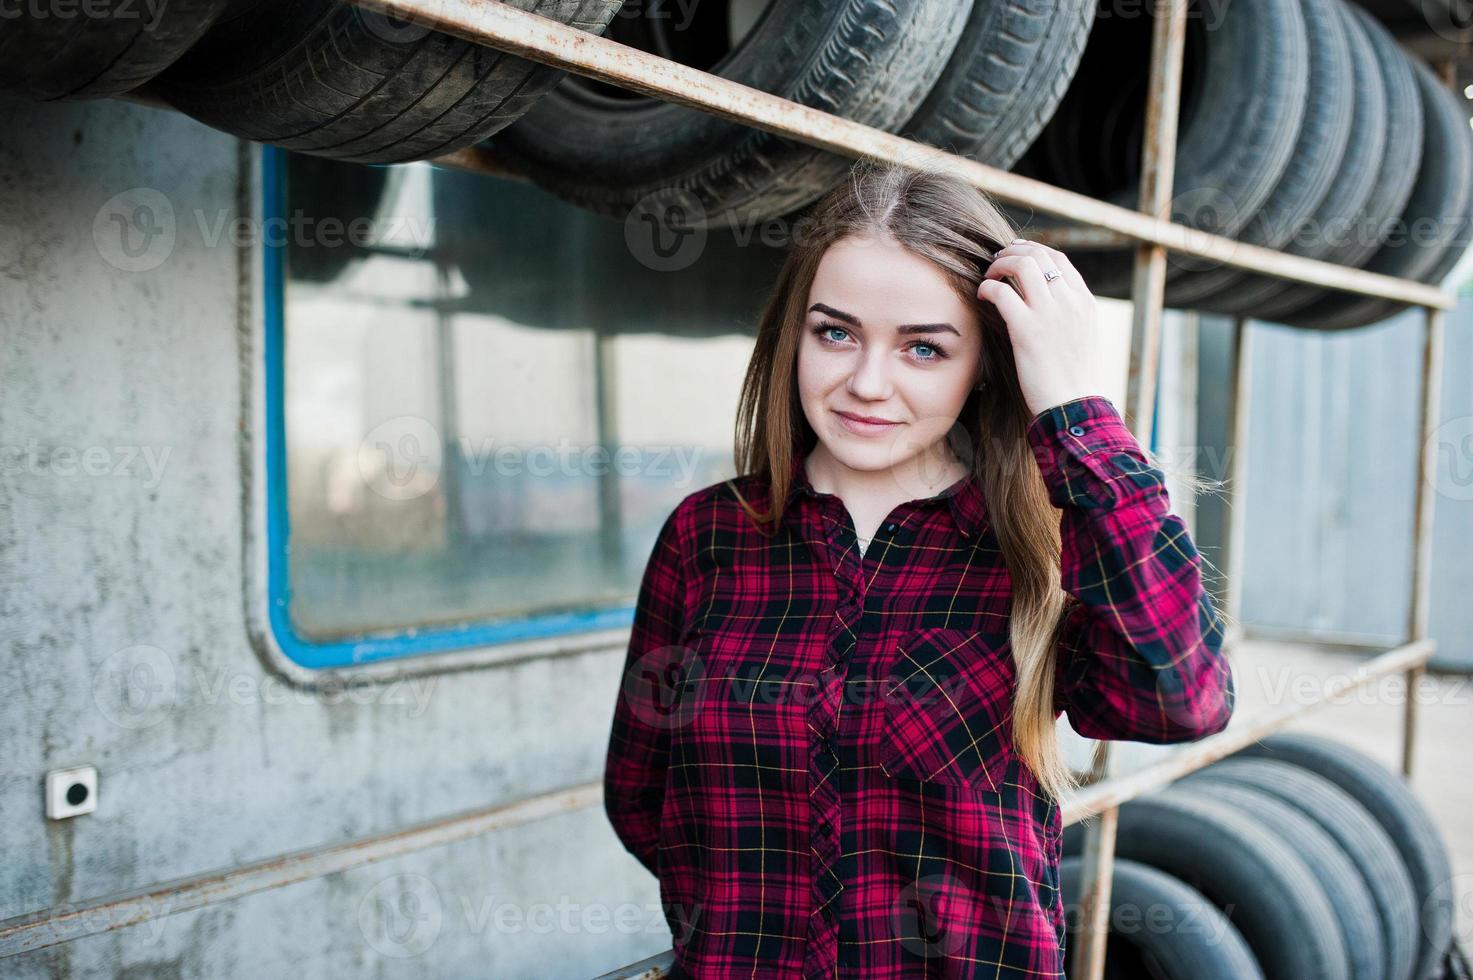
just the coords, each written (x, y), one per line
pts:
(1304, 127)
(318, 76)
(1296, 858)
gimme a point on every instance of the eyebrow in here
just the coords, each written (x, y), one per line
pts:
(907, 328)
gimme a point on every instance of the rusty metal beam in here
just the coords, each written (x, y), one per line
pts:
(1122, 789)
(546, 41)
(1080, 238)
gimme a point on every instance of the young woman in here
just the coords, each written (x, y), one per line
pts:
(835, 744)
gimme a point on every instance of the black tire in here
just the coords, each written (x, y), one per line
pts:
(336, 80)
(1391, 802)
(1262, 884)
(1355, 910)
(872, 61)
(94, 56)
(1358, 233)
(1340, 145)
(1008, 74)
(1362, 839)
(1440, 196)
(1244, 90)
(1170, 947)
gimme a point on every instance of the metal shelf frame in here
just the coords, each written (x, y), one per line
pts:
(494, 24)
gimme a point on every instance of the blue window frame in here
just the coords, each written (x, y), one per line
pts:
(711, 291)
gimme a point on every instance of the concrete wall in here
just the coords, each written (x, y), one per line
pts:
(124, 641)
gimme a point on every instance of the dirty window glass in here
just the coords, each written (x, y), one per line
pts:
(492, 399)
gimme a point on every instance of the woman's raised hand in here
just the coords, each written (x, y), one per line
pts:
(1051, 321)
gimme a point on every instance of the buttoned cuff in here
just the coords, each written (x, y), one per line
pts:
(1088, 456)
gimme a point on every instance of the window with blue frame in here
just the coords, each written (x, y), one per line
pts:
(482, 404)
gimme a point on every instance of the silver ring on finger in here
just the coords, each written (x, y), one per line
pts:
(1049, 275)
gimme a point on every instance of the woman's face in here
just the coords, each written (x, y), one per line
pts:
(885, 338)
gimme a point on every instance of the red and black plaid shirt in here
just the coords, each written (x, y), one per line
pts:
(812, 749)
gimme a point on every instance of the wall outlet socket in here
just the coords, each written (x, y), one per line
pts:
(71, 792)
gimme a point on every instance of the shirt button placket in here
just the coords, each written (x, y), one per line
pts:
(821, 954)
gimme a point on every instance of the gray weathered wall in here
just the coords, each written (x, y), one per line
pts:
(219, 763)
(1332, 472)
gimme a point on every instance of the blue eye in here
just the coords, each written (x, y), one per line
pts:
(940, 352)
(823, 329)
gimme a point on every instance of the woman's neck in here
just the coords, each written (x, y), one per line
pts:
(870, 495)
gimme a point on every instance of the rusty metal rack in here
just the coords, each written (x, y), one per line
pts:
(1150, 227)
(494, 24)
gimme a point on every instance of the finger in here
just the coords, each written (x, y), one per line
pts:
(1005, 298)
(1049, 258)
(1062, 263)
(1026, 272)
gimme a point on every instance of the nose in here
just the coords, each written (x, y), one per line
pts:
(870, 379)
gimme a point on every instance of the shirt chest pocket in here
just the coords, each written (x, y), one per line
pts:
(947, 709)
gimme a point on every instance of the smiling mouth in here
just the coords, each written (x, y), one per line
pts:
(863, 425)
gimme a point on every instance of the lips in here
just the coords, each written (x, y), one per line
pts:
(865, 425)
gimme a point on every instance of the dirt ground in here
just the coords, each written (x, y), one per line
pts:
(1269, 673)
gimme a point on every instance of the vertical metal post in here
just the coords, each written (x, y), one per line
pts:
(1420, 606)
(455, 535)
(1158, 176)
(1148, 286)
(610, 503)
(1235, 529)
(1419, 609)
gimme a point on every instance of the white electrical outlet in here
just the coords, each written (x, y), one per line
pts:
(71, 792)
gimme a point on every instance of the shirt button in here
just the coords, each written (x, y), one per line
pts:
(1075, 430)
(890, 528)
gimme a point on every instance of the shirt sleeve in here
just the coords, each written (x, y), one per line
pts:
(639, 743)
(1140, 650)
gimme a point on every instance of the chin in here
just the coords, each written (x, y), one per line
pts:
(858, 454)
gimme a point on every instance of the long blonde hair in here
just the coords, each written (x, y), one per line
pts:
(946, 219)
